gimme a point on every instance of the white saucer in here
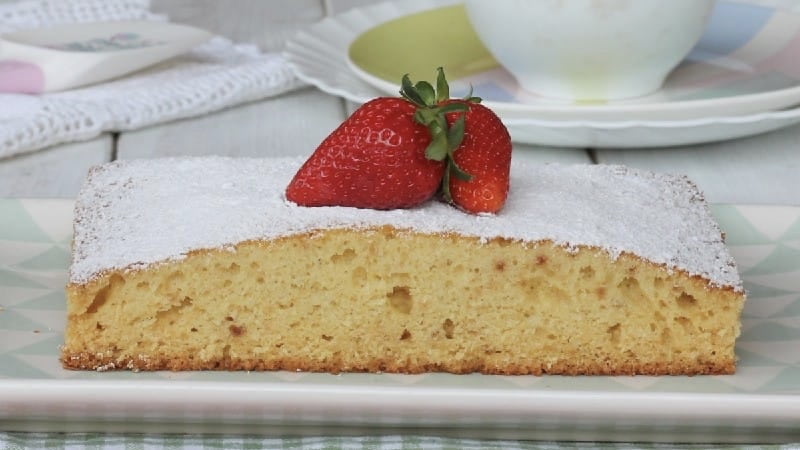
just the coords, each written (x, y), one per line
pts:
(319, 55)
(734, 70)
(69, 56)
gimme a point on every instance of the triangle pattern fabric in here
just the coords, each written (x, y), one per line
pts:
(47, 346)
(48, 366)
(792, 233)
(782, 259)
(52, 216)
(768, 306)
(771, 221)
(792, 244)
(522, 381)
(752, 359)
(14, 321)
(11, 341)
(755, 290)
(17, 368)
(286, 375)
(53, 279)
(692, 384)
(54, 258)
(637, 383)
(769, 331)
(751, 378)
(12, 278)
(788, 281)
(46, 299)
(786, 381)
(405, 379)
(787, 352)
(789, 322)
(738, 229)
(46, 319)
(17, 225)
(793, 310)
(12, 296)
(748, 256)
(16, 252)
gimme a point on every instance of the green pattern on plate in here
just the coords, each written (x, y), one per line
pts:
(764, 241)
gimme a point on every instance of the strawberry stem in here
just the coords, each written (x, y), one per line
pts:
(431, 111)
(442, 88)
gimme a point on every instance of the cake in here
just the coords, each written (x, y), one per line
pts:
(201, 263)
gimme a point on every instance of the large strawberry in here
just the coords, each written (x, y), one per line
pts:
(374, 159)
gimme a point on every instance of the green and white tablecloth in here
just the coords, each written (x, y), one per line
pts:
(14, 441)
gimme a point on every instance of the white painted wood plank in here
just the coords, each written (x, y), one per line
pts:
(267, 23)
(291, 124)
(57, 171)
(760, 169)
(338, 6)
(532, 154)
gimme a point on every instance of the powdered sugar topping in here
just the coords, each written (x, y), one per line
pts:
(131, 214)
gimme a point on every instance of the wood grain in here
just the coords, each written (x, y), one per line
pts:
(340, 6)
(759, 169)
(53, 172)
(291, 124)
(266, 23)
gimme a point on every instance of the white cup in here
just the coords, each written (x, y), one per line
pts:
(589, 49)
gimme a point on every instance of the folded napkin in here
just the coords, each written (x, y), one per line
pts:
(215, 75)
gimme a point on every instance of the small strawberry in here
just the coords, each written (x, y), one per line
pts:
(485, 154)
(476, 148)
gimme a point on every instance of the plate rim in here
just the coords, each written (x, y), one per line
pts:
(44, 392)
(696, 106)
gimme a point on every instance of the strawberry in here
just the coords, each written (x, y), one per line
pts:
(374, 159)
(476, 148)
(396, 152)
(484, 154)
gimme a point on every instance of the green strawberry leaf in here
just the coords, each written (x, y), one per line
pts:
(452, 107)
(425, 90)
(408, 92)
(431, 112)
(458, 172)
(455, 135)
(437, 149)
(442, 88)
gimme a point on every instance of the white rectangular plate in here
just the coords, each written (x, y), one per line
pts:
(761, 403)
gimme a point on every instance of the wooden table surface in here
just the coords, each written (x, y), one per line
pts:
(761, 169)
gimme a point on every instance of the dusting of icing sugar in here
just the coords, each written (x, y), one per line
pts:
(132, 214)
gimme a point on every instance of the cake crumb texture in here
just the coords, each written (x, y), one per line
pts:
(393, 300)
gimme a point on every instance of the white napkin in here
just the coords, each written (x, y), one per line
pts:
(213, 76)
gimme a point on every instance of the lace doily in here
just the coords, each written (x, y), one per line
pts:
(215, 75)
